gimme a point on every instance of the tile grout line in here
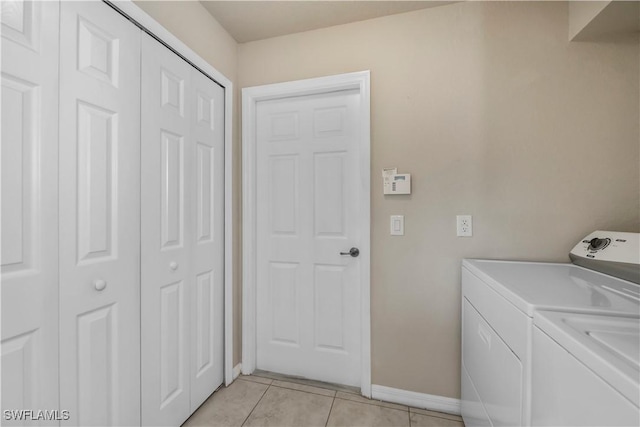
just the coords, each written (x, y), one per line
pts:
(435, 416)
(322, 387)
(335, 392)
(306, 391)
(310, 383)
(330, 409)
(372, 404)
(257, 403)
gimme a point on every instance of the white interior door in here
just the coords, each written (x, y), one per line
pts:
(308, 294)
(167, 168)
(99, 215)
(29, 206)
(207, 273)
(182, 236)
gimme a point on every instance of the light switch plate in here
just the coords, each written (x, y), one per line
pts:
(397, 225)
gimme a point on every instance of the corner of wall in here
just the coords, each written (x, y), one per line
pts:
(581, 13)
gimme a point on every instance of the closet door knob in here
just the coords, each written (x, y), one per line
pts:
(173, 265)
(99, 284)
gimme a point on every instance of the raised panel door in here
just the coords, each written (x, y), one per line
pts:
(207, 273)
(308, 295)
(99, 215)
(168, 164)
(29, 254)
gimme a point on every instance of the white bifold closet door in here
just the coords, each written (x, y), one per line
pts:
(99, 215)
(182, 236)
(29, 207)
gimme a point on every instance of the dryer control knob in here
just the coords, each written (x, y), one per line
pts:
(597, 243)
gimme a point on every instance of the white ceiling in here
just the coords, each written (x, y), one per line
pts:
(255, 20)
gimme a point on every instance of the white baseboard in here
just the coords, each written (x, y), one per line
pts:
(236, 370)
(416, 400)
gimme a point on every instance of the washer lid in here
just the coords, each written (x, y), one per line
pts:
(534, 286)
(607, 345)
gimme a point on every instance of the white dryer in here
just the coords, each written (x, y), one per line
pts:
(499, 301)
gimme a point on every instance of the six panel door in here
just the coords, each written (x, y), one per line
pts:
(29, 207)
(166, 168)
(207, 269)
(99, 215)
(182, 236)
(308, 295)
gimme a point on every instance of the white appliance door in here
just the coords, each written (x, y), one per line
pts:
(207, 272)
(167, 171)
(308, 295)
(29, 207)
(99, 215)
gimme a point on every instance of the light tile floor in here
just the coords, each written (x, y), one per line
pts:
(270, 400)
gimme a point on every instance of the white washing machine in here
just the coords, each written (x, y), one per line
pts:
(499, 301)
(586, 370)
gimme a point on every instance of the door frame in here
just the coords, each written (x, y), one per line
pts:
(359, 81)
(140, 18)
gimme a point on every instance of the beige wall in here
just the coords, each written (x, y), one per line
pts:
(603, 20)
(581, 13)
(193, 25)
(495, 114)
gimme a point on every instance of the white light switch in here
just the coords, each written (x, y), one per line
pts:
(397, 225)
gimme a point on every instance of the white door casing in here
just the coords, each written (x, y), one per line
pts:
(182, 236)
(306, 199)
(29, 206)
(99, 215)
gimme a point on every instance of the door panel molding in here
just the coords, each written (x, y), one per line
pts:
(284, 128)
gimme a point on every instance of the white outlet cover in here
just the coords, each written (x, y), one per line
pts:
(464, 225)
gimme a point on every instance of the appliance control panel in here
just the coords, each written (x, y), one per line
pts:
(611, 252)
(610, 246)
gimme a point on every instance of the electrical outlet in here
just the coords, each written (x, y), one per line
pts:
(464, 225)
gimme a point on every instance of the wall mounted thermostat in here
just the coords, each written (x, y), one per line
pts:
(396, 183)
